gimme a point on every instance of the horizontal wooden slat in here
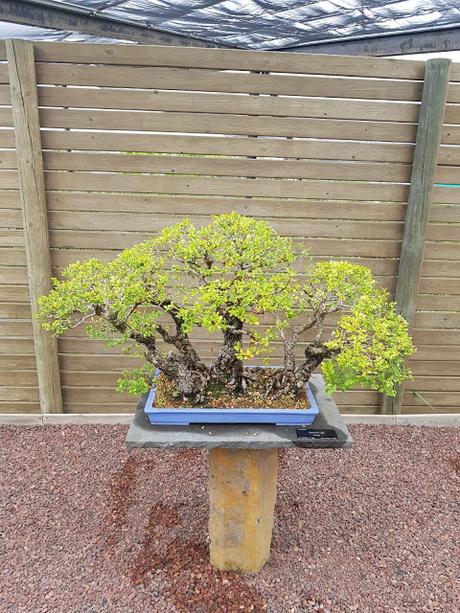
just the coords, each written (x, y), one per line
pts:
(453, 93)
(14, 293)
(436, 399)
(214, 123)
(430, 361)
(100, 407)
(445, 212)
(88, 378)
(10, 199)
(5, 95)
(10, 218)
(19, 378)
(441, 250)
(217, 123)
(432, 285)
(437, 352)
(237, 146)
(207, 348)
(19, 394)
(7, 138)
(91, 362)
(140, 223)
(236, 167)
(223, 59)
(438, 303)
(194, 205)
(452, 112)
(426, 325)
(170, 164)
(431, 268)
(17, 362)
(12, 275)
(8, 160)
(374, 110)
(425, 410)
(455, 71)
(434, 368)
(95, 395)
(85, 346)
(120, 240)
(447, 195)
(273, 188)
(13, 327)
(436, 337)
(14, 310)
(359, 410)
(449, 155)
(198, 335)
(444, 232)
(19, 407)
(109, 379)
(63, 257)
(450, 134)
(24, 346)
(8, 179)
(435, 384)
(213, 81)
(437, 320)
(4, 77)
(245, 104)
(12, 256)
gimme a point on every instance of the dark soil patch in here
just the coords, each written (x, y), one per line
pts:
(219, 397)
(455, 463)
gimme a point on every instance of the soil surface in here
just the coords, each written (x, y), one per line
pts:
(87, 528)
(219, 397)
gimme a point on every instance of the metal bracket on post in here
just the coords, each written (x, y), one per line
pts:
(24, 101)
(429, 132)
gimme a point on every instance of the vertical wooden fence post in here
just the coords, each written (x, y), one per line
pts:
(24, 100)
(429, 132)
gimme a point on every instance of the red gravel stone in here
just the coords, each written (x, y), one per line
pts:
(87, 528)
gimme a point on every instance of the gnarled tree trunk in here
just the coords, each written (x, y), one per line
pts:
(228, 368)
(291, 378)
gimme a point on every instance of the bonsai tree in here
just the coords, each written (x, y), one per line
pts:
(237, 277)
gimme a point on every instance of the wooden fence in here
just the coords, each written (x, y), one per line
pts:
(114, 142)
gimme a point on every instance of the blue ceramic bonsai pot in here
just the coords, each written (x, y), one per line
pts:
(190, 415)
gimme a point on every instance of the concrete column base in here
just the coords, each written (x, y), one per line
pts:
(242, 495)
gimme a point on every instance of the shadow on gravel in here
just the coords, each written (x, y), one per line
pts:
(188, 579)
(455, 463)
(166, 555)
(122, 496)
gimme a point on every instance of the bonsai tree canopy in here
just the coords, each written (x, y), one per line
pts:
(238, 277)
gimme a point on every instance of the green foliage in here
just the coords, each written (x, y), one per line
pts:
(136, 381)
(237, 267)
(372, 343)
(228, 276)
(337, 285)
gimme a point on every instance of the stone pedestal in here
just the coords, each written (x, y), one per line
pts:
(242, 495)
(243, 461)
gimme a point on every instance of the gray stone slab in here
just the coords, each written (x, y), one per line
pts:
(142, 434)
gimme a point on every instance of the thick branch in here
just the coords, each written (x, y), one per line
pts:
(228, 367)
(180, 340)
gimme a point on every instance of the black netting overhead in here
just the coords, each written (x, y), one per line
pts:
(15, 30)
(274, 24)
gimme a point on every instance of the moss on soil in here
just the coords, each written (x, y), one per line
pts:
(219, 397)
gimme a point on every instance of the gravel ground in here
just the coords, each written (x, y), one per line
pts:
(87, 528)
